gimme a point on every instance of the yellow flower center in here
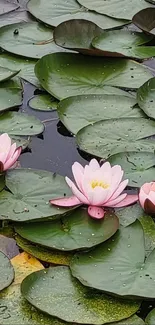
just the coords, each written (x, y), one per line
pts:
(96, 183)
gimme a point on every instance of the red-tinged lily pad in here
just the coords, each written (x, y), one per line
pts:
(145, 20)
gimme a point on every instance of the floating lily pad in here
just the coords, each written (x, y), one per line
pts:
(75, 231)
(21, 141)
(150, 319)
(30, 192)
(66, 74)
(57, 293)
(6, 271)
(79, 111)
(54, 12)
(138, 166)
(44, 254)
(133, 320)
(7, 7)
(2, 181)
(10, 95)
(129, 214)
(16, 123)
(119, 265)
(124, 43)
(145, 20)
(15, 16)
(77, 34)
(6, 73)
(8, 246)
(43, 102)
(122, 9)
(13, 306)
(107, 138)
(26, 67)
(146, 97)
(32, 40)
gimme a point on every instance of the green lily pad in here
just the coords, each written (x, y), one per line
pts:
(10, 95)
(15, 16)
(57, 293)
(133, 320)
(44, 254)
(139, 167)
(119, 266)
(32, 40)
(2, 181)
(107, 138)
(150, 319)
(21, 141)
(75, 231)
(6, 271)
(30, 192)
(145, 20)
(122, 9)
(7, 7)
(43, 102)
(26, 67)
(68, 74)
(149, 232)
(124, 43)
(54, 12)
(7, 73)
(16, 123)
(128, 215)
(77, 34)
(146, 97)
(79, 111)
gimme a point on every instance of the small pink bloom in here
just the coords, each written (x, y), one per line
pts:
(147, 197)
(97, 187)
(8, 153)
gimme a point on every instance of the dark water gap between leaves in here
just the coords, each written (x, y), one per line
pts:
(55, 150)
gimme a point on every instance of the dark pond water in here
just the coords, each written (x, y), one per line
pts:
(55, 150)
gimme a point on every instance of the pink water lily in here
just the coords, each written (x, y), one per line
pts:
(97, 187)
(8, 153)
(147, 197)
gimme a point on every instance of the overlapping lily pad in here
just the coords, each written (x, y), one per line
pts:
(124, 43)
(32, 40)
(16, 123)
(7, 7)
(75, 231)
(119, 266)
(43, 102)
(107, 138)
(7, 73)
(6, 271)
(122, 9)
(138, 166)
(66, 74)
(10, 95)
(54, 12)
(26, 67)
(149, 232)
(128, 215)
(150, 319)
(15, 16)
(43, 253)
(77, 34)
(57, 293)
(146, 97)
(145, 20)
(79, 111)
(29, 194)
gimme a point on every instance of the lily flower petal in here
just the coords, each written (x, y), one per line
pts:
(96, 212)
(66, 201)
(129, 199)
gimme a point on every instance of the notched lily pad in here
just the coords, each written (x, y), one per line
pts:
(146, 97)
(30, 192)
(43, 102)
(67, 74)
(119, 265)
(57, 293)
(139, 167)
(75, 231)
